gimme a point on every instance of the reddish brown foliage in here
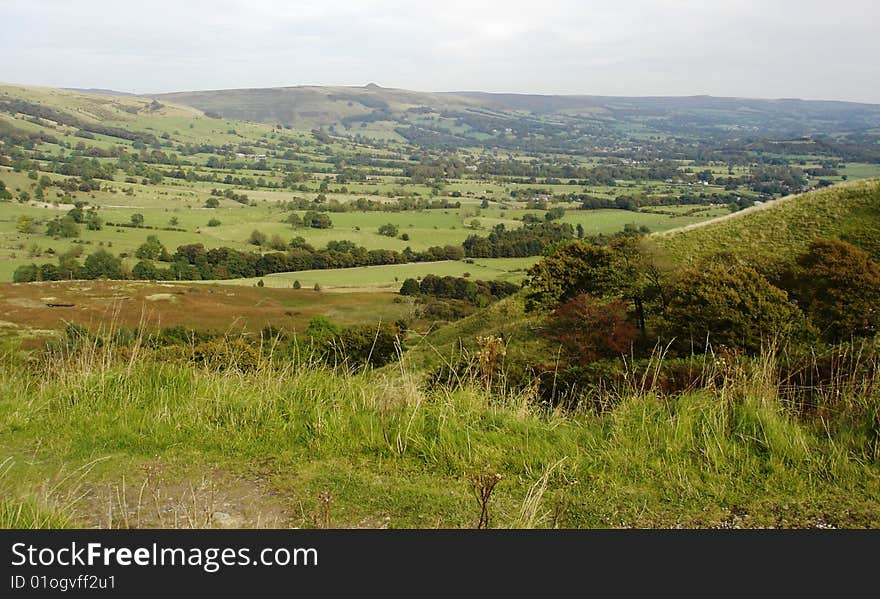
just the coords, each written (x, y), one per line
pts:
(589, 328)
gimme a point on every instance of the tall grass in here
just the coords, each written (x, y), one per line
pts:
(733, 453)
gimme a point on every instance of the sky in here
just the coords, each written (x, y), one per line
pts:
(748, 48)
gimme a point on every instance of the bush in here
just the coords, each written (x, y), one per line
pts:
(838, 286)
(227, 354)
(388, 230)
(729, 304)
(102, 265)
(62, 227)
(26, 273)
(589, 328)
(409, 287)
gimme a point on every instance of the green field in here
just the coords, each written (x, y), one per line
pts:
(392, 276)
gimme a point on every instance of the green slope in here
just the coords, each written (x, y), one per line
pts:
(768, 235)
(777, 231)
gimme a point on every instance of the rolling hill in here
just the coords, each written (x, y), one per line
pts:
(459, 118)
(767, 235)
(778, 230)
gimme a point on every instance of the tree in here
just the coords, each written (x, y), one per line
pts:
(212, 202)
(838, 287)
(214, 223)
(26, 273)
(5, 195)
(102, 264)
(68, 265)
(173, 221)
(277, 243)
(77, 213)
(297, 284)
(257, 238)
(26, 224)
(410, 287)
(93, 221)
(589, 328)
(294, 220)
(731, 304)
(317, 220)
(321, 328)
(137, 220)
(573, 269)
(388, 230)
(62, 227)
(151, 249)
(145, 271)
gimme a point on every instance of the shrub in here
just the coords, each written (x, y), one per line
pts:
(729, 304)
(388, 230)
(102, 264)
(227, 354)
(838, 286)
(409, 287)
(589, 328)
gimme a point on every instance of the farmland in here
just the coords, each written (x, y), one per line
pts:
(347, 307)
(189, 178)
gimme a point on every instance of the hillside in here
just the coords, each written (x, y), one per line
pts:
(777, 230)
(551, 122)
(765, 235)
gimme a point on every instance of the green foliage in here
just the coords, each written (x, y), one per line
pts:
(64, 227)
(322, 328)
(137, 220)
(102, 265)
(575, 268)
(93, 221)
(317, 220)
(730, 304)
(224, 354)
(26, 224)
(152, 249)
(838, 287)
(26, 273)
(258, 238)
(145, 270)
(389, 230)
(410, 287)
(357, 346)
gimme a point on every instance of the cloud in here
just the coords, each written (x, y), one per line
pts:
(767, 48)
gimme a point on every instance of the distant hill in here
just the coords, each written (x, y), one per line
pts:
(462, 118)
(95, 90)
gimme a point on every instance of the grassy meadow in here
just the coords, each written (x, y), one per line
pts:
(138, 440)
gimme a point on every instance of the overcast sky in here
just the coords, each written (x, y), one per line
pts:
(755, 48)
